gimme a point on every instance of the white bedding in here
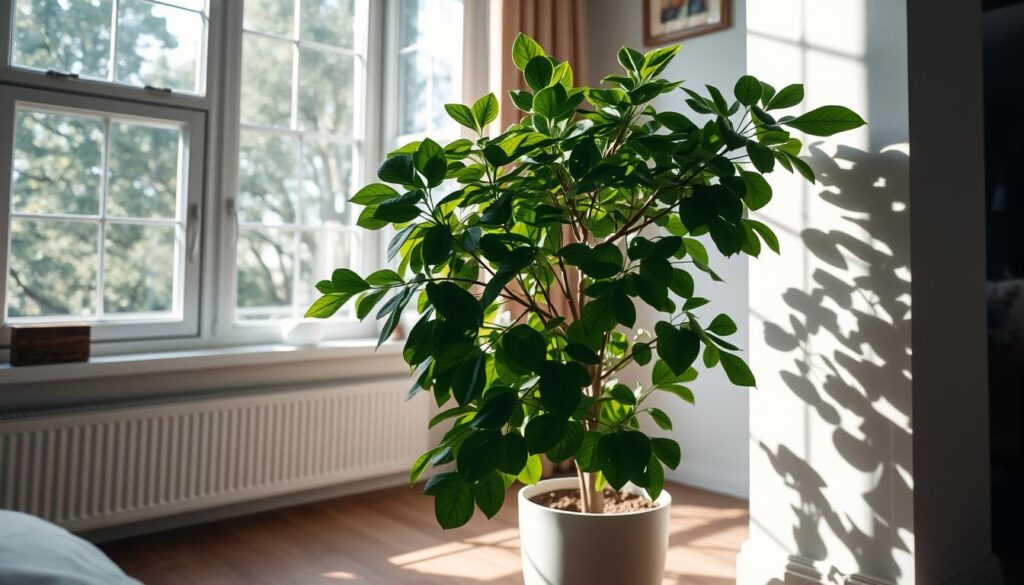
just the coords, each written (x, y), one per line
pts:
(36, 552)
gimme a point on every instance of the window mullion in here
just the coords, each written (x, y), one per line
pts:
(115, 7)
(102, 245)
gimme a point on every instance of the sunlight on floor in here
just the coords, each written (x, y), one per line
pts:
(486, 557)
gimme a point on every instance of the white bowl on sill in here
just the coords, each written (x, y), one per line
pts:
(302, 332)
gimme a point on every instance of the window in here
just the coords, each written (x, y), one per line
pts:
(300, 142)
(180, 169)
(429, 68)
(155, 43)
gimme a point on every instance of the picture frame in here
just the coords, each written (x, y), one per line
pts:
(672, 20)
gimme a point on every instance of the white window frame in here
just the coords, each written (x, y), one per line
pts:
(214, 126)
(184, 318)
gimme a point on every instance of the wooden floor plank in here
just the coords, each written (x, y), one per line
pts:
(390, 537)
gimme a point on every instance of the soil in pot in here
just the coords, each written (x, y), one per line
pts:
(614, 502)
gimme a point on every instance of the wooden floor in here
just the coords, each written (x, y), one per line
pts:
(390, 537)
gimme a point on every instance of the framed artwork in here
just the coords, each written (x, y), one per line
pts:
(671, 20)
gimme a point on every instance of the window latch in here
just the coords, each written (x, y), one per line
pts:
(192, 231)
(232, 210)
(165, 90)
(61, 74)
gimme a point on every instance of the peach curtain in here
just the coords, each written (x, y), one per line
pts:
(557, 25)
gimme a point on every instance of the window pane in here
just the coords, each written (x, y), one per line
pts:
(320, 252)
(266, 262)
(70, 36)
(327, 182)
(144, 165)
(269, 16)
(158, 45)
(58, 163)
(268, 178)
(412, 22)
(139, 269)
(328, 21)
(52, 268)
(326, 81)
(266, 81)
(414, 96)
(447, 88)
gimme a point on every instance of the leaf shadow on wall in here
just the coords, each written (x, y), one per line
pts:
(847, 339)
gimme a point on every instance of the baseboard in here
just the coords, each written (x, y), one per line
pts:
(758, 566)
(244, 508)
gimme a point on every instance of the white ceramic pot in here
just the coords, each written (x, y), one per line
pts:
(570, 548)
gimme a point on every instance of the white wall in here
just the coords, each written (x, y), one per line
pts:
(868, 452)
(830, 337)
(713, 434)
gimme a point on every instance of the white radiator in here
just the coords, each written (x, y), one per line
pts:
(97, 469)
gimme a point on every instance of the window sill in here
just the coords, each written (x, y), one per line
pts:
(108, 366)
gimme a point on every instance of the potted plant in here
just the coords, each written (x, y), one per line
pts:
(525, 255)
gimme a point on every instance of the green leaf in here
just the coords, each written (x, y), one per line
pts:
(631, 60)
(655, 61)
(512, 456)
(624, 456)
(485, 110)
(582, 353)
(550, 102)
(748, 90)
(526, 347)
(524, 49)
(602, 261)
(538, 74)
(544, 432)
(430, 160)
(761, 156)
(449, 413)
(560, 387)
(398, 169)
(497, 410)
(677, 347)
(787, 97)
(531, 472)
(572, 438)
(437, 245)
(346, 281)
(766, 234)
(463, 115)
(586, 455)
(710, 356)
(384, 277)
(660, 418)
(373, 194)
(655, 478)
(737, 370)
(327, 305)
(722, 324)
(457, 306)
(758, 190)
(489, 494)
(478, 455)
(522, 99)
(642, 353)
(453, 505)
(667, 451)
(680, 391)
(470, 378)
(367, 301)
(622, 393)
(826, 121)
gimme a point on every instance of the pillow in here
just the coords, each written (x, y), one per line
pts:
(36, 552)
